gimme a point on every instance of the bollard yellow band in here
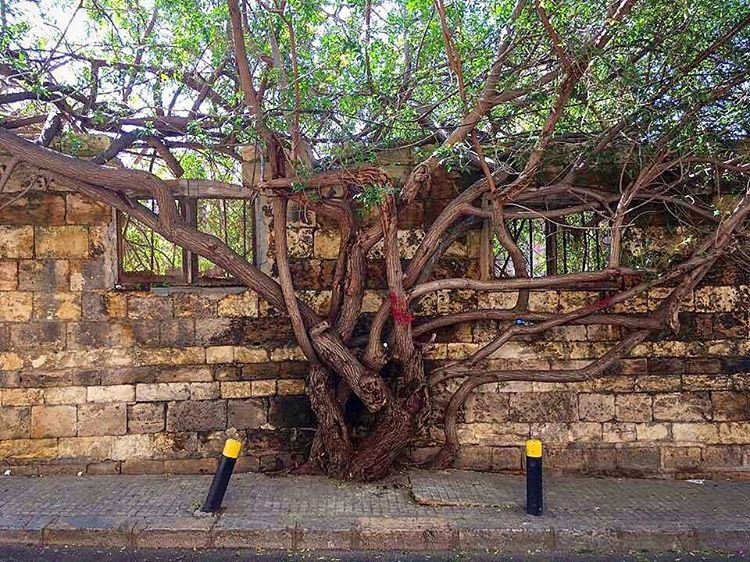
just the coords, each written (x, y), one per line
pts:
(534, 448)
(232, 448)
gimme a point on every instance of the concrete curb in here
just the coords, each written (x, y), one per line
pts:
(370, 533)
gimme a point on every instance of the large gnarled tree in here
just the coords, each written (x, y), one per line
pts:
(508, 89)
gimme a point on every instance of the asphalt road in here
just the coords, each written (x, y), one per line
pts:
(65, 554)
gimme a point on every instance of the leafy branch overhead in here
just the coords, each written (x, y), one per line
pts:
(575, 121)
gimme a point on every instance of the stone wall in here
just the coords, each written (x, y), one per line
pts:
(100, 380)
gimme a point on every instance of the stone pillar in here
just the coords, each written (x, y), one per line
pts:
(254, 171)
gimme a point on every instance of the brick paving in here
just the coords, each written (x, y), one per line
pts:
(418, 511)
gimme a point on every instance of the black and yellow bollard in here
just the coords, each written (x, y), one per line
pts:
(534, 496)
(223, 474)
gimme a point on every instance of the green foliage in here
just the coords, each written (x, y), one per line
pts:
(367, 82)
(371, 195)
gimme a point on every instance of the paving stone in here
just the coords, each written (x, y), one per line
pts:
(266, 532)
(90, 530)
(23, 529)
(431, 510)
(405, 533)
(175, 532)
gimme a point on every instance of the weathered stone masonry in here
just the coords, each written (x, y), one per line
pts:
(99, 380)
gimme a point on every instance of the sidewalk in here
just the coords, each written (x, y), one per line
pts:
(419, 511)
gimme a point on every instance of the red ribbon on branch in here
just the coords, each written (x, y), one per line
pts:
(399, 309)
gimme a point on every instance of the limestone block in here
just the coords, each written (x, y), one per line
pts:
(596, 407)
(82, 359)
(79, 209)
(57, 306)
(28, 449)
(43, 275)
(219, 354)
(239, 305)
(572, 300)
(543, 407)
(326, 243)
(53, 421)
(231, 389)
(85, 335)
(734, 432)
(695, 432)
(195, 305)
(638, 460)
(103, 306)
(16, 241)
(451, 301)
(116, 305)
(35, 207)
(300, 242)
(488, 407)
(652, 431)
(498, 300)
(102, 419)
(618, 432)
(147, 417)
(722, 456)
(175, 373)
(126, 447)
(585, 432)
(244, 354)
(15, 306)
(544, 301)
(638, 303)
(98, 447)
(21, 396)
(290, 353)
(61, 242)
(461, 350)
(731, 406)
(8, 275)
(287, 387)
(371, 302)
(658, 383)
(149, 307)
(717, 299)
(161, 392)
(113, 393)
(681, 458)
(65, 395)
(603, 333)
(200, 415)
(474, 457)
(177, 333)
(246, 414)
(204, 391)
(684, 406)
(15, 423)
(633, 407)
(171, 356)
(551, 433)
(90, 275)
(493, 434)
(10, 361)
(264, 387)
(707, 382)
(569, 333)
